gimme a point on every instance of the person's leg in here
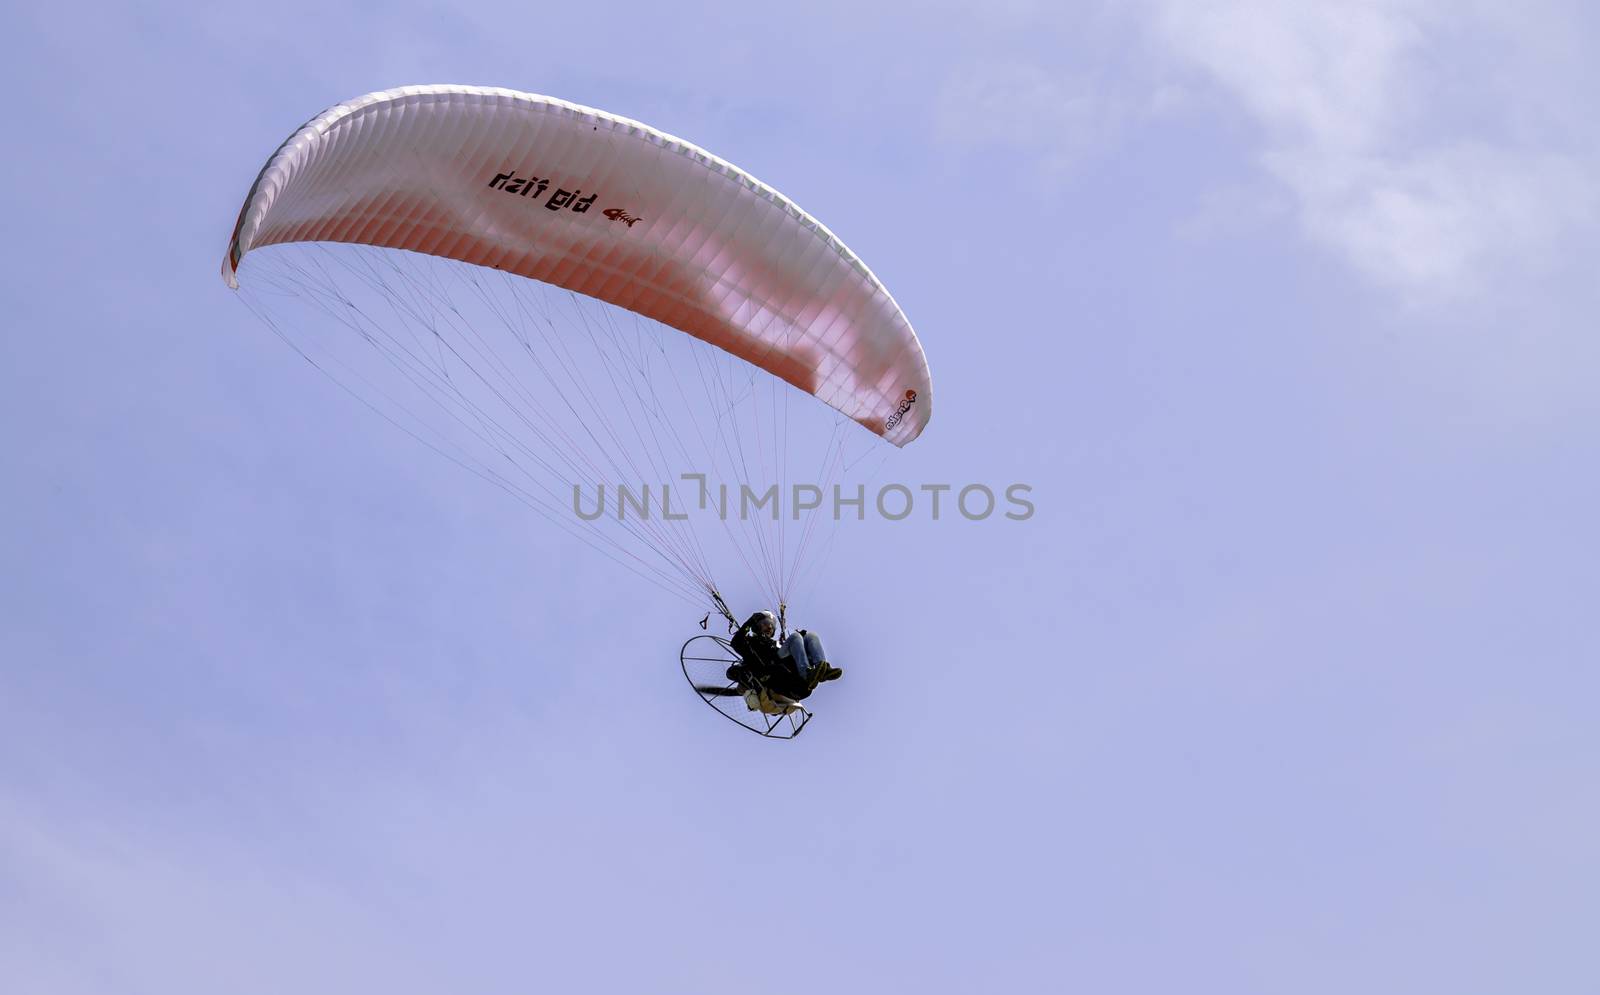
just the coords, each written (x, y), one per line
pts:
(815, 654)
(795, 649)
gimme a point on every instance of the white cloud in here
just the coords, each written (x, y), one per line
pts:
(1324, 74)
(1435, 218)
(1401, 129)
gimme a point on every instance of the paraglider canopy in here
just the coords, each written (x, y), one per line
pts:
(607, 207)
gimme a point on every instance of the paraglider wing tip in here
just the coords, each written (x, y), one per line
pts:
(229, 273)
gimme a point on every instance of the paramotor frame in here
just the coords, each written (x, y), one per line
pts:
(706, 659)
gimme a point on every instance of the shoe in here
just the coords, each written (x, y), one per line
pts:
(830, 673)
(736, 673)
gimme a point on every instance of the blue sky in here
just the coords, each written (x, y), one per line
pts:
(1284, 311)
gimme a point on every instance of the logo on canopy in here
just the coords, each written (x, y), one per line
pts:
(618, 214)
(900, 412)
(522, 186)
